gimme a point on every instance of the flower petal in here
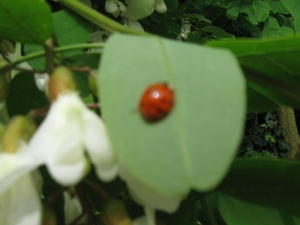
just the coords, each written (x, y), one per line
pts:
(146, 196)
(15, 209)
(58, 141)
(134, 25)
(111, 6)
(138, 11)
(14, 166)
(72, 209)
(99, 147)
(160, 6)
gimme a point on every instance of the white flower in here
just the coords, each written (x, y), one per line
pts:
(41, 81)
(72, 208)
(147, 197)
(114, 7)
(18, 188)
(133, 24)
(68, 130)
(134, 10)
(160, 6)
(138, 9)
(98, 36)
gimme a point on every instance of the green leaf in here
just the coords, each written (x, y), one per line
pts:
(261, 9)
(257, 100)
(277, 6)
(25, 21)
(217, 32)
(157, 17)
(271, 65)
(271, 27)
(285, 32)
(173, 27)
(252, 17)
(186, 214)
(171, 4)
(293, 7)
(232, 13)
(23, 95)
(73, 30)
(195, 144)
(261, 191)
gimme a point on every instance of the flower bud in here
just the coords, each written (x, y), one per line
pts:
(19, 129)
(61, 80)
(114, 213)
(93, 84)
(160, 6)
(87, 166)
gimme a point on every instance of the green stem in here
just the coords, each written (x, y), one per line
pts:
(99, 19)
(56, 50)
(207, 210)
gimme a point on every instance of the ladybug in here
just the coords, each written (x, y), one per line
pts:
(156, 102)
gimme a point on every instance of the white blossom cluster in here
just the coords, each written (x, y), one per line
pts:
(133, 10)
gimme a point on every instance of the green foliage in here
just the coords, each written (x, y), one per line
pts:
(293, 7)
(23, 95)
(174, 137)
(271, 68)
(229, 18)
(72, 30)
(260, 191)
(26, 23)
(263, 137)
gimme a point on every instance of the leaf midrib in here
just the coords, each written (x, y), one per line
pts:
(183, 145)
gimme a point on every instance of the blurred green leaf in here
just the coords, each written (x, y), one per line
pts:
(277, 6)
(187, 214)
(232, 13)
(157, 17)
(73, 30)
(261, 9)
(271, 68)
(172, 26)
(217, 32)
(23, 95)
(261, 191)
(25, 21)
(271, 27)
(171, 4)
(197, 136)
(285, 32)
(293, 7)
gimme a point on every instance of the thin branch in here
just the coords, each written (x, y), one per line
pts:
(55, 50)
(102, 192)
(99, 19)
(207, 210)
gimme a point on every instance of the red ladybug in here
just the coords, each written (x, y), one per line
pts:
(157, 101)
